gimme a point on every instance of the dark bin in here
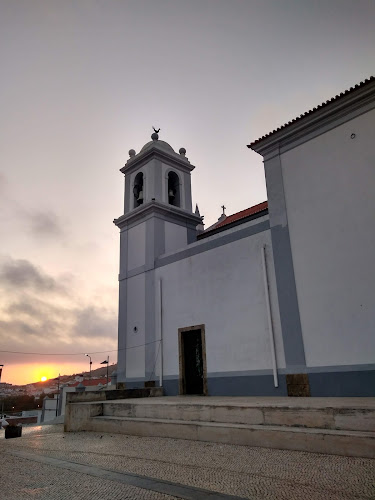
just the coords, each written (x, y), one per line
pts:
(13, 431)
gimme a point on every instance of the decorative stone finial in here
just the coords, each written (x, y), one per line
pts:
(131, 153)
(182, 151)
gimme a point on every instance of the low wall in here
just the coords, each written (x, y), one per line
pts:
(82, 406)
(21, 420)
(108, 395)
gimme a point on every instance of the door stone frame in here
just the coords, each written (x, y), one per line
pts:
(181, 359)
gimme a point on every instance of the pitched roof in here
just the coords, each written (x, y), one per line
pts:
(91, 382)
(237, 217)
(311, 111)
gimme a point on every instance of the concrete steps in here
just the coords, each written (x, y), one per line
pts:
(337, 442)
(342, 426)
(344, 418)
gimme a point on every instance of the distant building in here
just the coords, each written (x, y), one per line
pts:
(278, 299)
(90, 382)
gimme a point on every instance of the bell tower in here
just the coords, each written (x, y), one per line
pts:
(157, 219)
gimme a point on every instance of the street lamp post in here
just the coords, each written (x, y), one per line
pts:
(106, 362)
(2, 400)
(58, 393)
(90, 363)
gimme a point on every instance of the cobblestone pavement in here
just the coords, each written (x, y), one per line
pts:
(241, 471)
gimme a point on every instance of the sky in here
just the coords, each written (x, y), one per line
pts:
(84, 81)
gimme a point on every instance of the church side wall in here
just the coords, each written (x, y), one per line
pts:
(175, 237)
(329, 185)
(223, 288)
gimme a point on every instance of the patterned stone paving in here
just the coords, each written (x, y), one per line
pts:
(254, 473)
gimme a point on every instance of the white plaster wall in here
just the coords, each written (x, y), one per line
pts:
(136, 246)
(63, 393)
(149, 183)
(135, 317)
(223, 289)
(33, 413)
(175, 237)
(49, 407)
(329, 187)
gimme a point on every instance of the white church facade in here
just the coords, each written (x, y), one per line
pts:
(278, 299)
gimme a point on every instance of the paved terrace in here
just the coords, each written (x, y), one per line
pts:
(257, 401)
(46, 464)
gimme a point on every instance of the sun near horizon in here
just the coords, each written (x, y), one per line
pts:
(43, 379)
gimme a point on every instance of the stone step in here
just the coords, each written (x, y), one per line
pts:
(337, 442)
(339, 418)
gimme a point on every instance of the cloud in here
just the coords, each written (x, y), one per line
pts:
(22, 274)
(23, 309)
(64, 324)
(16, 328)
(37, 315)
(33, 326)
(39, 223)
(46, 224)
(95, 322)
(31, 316)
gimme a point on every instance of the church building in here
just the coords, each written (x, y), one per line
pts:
(278, 299)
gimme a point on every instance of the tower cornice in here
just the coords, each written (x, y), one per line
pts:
(154, 152)
(157, 208)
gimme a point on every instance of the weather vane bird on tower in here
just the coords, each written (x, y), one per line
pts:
(156, 131)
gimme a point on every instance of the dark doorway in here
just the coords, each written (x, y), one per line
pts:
(192, 361)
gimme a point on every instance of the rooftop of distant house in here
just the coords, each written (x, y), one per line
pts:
(90, 382)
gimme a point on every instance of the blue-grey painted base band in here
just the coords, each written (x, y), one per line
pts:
(258, 385)
(338, 381)
(135, 384)
(171, 387)
(360, 383)
(343, 384)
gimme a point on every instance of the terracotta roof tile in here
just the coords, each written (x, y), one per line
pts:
(91, 382)
(240, 215)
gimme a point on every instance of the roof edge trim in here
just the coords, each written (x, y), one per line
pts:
(359, 92)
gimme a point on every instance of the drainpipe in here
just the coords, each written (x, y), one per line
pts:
(269, 318)
(161, 333)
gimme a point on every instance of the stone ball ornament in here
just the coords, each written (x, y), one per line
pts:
(182, 151)
(154, 136)
(131, 153)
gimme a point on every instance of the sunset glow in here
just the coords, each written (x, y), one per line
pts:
(43, 379)
(29, 373)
